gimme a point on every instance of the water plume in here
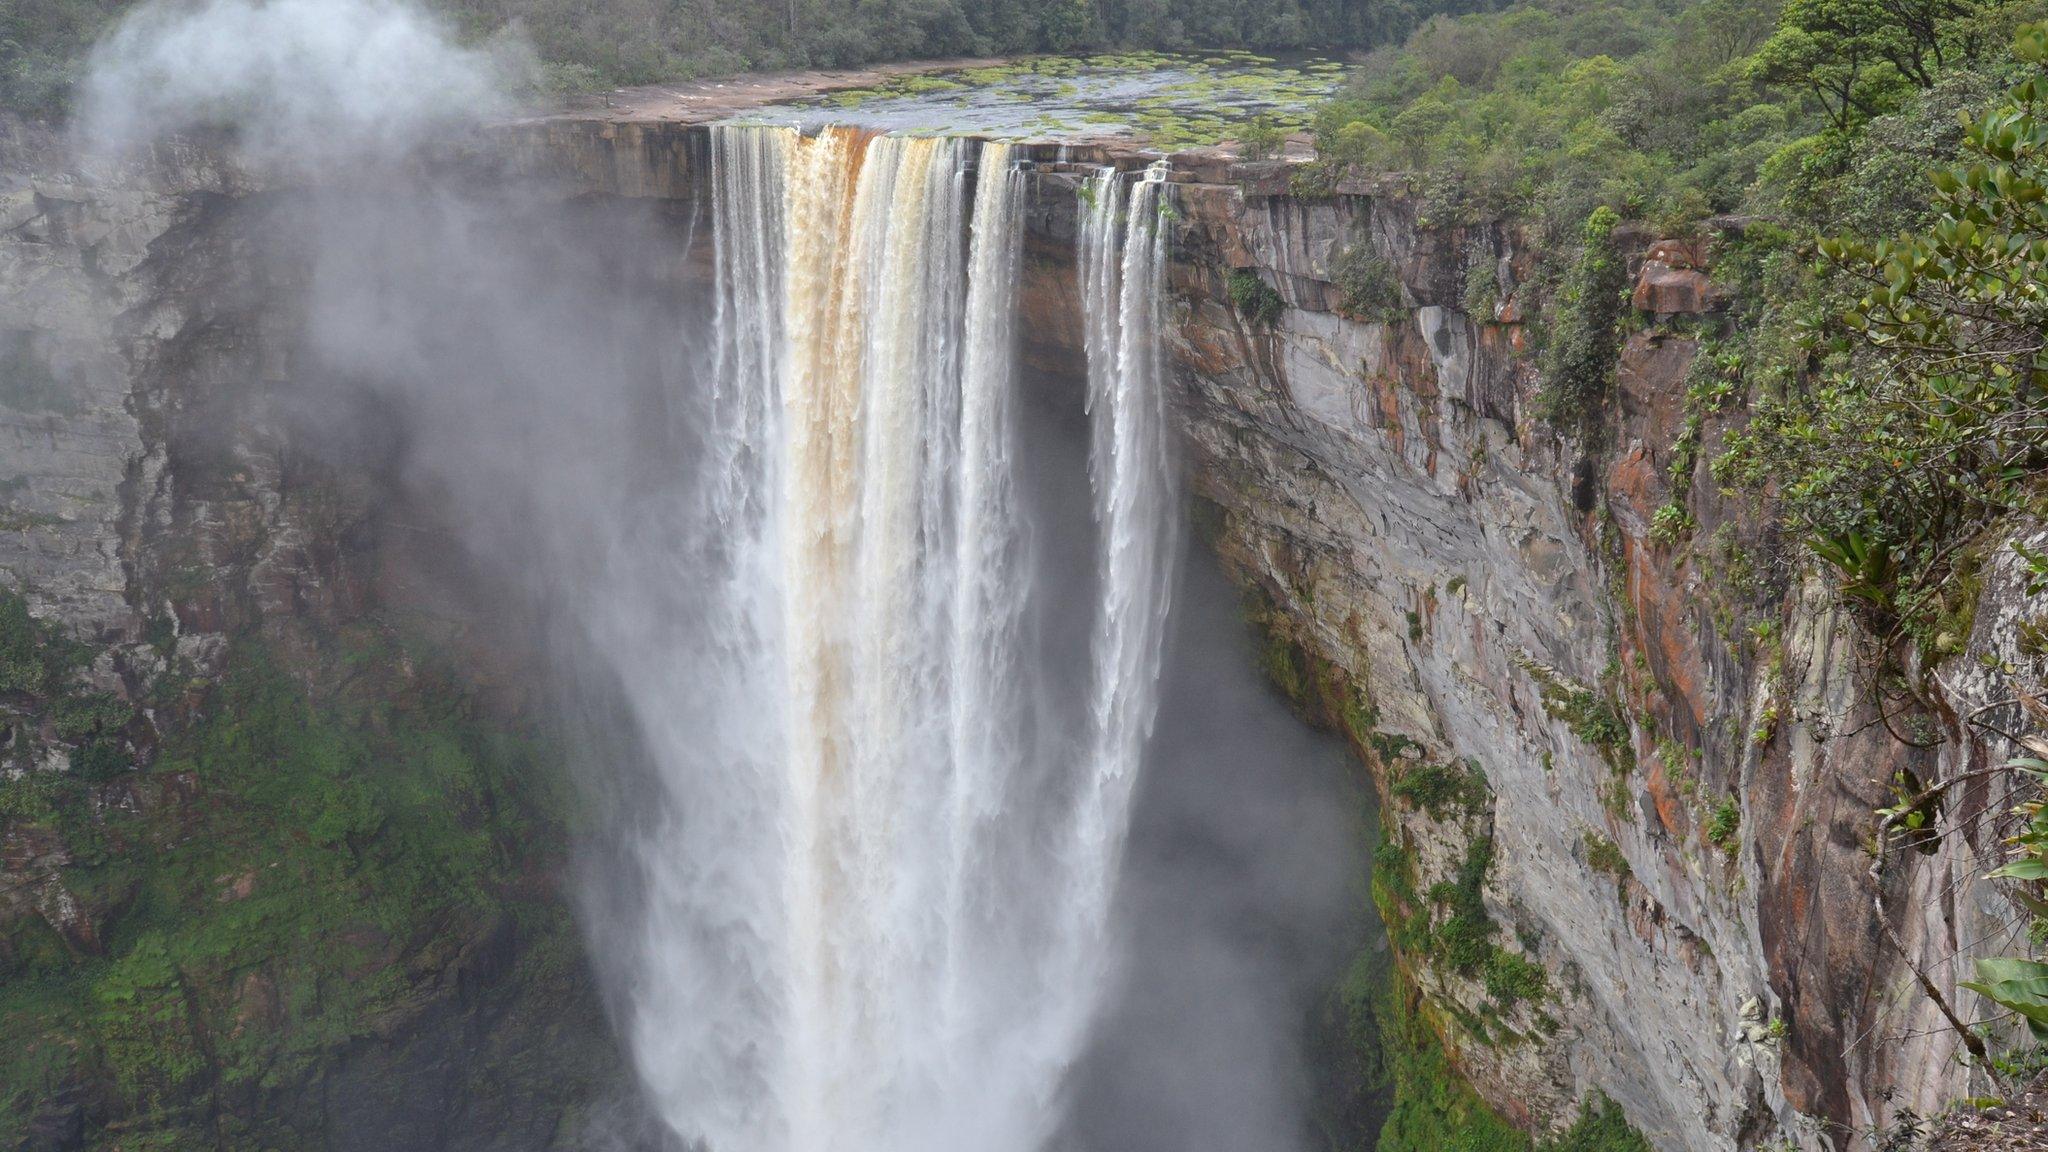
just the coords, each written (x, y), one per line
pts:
(943, 849)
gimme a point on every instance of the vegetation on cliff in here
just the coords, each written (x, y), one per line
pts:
(1896, 384)
(1872, 374)
(317, 866)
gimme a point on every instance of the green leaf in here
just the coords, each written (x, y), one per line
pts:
(2015, 984)
(2025, 868)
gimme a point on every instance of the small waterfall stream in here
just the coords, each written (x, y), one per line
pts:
(880, 922)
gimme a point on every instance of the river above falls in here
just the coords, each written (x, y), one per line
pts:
(1150, 99)
(1168, 100)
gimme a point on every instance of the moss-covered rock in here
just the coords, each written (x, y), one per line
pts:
(326, 915)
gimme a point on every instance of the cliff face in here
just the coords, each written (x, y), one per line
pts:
(1653, 756)
(1629, 773)
(200, 946)
(1681, 753)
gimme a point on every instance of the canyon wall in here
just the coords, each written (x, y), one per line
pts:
(1678, 731)
(1630, 772)
(168, 882)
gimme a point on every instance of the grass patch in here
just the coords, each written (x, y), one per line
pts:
(1724, 822)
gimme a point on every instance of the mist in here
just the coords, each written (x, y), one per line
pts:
(548, 389)
(302, 82)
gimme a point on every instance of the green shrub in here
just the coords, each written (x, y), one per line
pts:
(1368, 284)
(374, 824)
(144, 1026)
(1604, 855)
(1595, 719)
(1464, 937)
(1442, 788)
(1481, 294)
(1601, 1127)
(1254, 299)
(1585, 333)
(23, 666)
(1433, 1108)
(1670, 524)
(1512, 978)
(1723, 822)
(1262, 139)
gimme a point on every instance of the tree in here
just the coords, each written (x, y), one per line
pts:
(1935, 419)
(1840, 50)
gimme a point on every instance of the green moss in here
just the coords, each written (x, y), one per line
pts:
(1512, 978)
(1433, 1110)
(144, 1027)
(28, 798)
(1601, 1127)
(32, 655)
(1282, 661)
(1393, 895)
(351, 832)
(1464, 937)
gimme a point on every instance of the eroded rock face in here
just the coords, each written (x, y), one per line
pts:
(1381, 485)
(1683, 758)
(1671, 291)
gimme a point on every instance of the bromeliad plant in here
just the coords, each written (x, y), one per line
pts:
(2014, 983)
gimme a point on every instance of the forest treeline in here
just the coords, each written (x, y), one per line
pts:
(587, 45)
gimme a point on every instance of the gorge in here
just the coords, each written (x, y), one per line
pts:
(839, 508)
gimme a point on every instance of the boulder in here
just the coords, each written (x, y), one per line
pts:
(1668, 290)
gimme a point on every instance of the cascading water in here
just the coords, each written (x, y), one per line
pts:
(879, 920)
(1122, 250)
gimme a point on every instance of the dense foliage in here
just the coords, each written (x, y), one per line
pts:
(1668, 113)
(1933, 421)
(614, 42)
(1895, 386)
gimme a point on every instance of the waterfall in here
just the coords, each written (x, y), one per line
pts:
(1120, 257)
(877, 920)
